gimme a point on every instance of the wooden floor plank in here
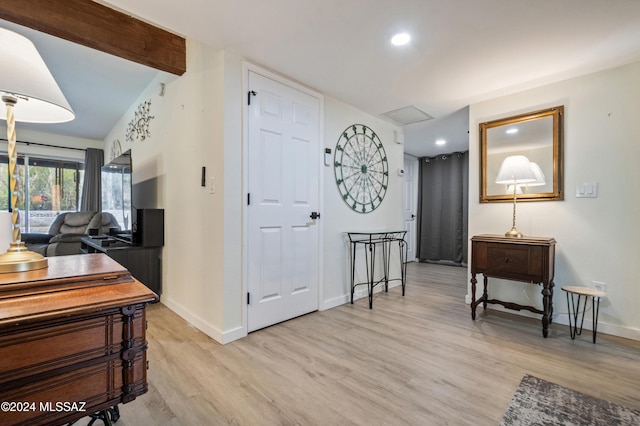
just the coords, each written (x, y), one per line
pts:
(411, 360)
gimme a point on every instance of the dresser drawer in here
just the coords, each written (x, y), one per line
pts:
(88, 387)
(69, 343)
(503, 258)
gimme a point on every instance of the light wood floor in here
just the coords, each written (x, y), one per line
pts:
(413, 360)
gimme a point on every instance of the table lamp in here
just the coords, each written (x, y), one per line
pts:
(29, 94)
(515, 170)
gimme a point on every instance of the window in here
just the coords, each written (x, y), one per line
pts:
(51, 186)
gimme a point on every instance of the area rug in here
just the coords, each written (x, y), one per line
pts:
(538, 402)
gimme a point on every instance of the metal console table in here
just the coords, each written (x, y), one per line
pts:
(372, 242)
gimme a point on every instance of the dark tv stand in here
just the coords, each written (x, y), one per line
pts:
(144, 263)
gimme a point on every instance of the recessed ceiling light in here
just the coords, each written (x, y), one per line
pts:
(441, 142)
(512, 130)
(400, 39)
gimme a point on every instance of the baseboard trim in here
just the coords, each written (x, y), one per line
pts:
(222, 337)
(358, 294)
(336, 301)
(611, 329)
(563, 319)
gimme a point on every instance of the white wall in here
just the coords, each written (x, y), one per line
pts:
(191, 130)
(597, 238)
(198, 122)
(337, 218)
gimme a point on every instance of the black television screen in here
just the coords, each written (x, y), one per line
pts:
(116, 190)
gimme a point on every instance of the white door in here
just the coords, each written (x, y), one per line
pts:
(283, 181)
(410, 204)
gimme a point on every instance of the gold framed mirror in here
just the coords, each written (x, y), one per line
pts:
(538, 136)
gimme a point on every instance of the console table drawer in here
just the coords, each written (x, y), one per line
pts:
(512, 260)
(501, 258)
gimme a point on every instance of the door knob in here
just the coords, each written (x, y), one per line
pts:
(314, 215)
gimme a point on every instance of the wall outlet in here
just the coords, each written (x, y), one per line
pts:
(599, 285)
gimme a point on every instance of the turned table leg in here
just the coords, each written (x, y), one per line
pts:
(473, 296)
(551, 286)
(546, 299)
(485, 295)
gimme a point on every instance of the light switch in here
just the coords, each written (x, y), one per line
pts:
(587, 190)
(327, 156)
(212, 186)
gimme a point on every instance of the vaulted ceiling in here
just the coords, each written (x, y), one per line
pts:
(462, 51)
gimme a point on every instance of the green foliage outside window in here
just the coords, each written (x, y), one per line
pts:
(54, 186)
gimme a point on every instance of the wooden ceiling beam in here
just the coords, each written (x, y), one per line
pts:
(99, 27)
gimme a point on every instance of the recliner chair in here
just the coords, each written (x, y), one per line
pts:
(67, 230)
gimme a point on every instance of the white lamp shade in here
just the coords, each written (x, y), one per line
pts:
(537, 171)
(514, 170)
(23, 74)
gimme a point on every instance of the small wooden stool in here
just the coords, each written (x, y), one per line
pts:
(574, 309)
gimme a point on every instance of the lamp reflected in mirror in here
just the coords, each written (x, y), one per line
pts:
(511, 187)
(540, 181)
(539, 176)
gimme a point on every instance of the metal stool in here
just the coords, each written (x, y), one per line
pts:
(574, 309)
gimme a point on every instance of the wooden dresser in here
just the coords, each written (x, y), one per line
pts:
(527, 259)
(72, 340)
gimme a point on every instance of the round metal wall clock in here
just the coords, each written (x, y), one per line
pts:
(361, 168)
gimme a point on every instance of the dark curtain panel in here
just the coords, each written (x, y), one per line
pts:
(443, 208)
(91, 188)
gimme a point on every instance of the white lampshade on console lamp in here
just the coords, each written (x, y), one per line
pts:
(29, 94)
(515, 170)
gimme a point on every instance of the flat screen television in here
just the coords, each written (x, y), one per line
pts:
(117, 189)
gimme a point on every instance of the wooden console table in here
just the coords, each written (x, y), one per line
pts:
(528, 259)
(72, 340)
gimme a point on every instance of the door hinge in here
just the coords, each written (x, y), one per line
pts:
(248, 198)
(248, 298)
(249, 94)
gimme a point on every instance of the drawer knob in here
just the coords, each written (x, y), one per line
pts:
(507, 260)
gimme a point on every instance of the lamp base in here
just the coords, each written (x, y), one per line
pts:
(19, 259)
(513, 233)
